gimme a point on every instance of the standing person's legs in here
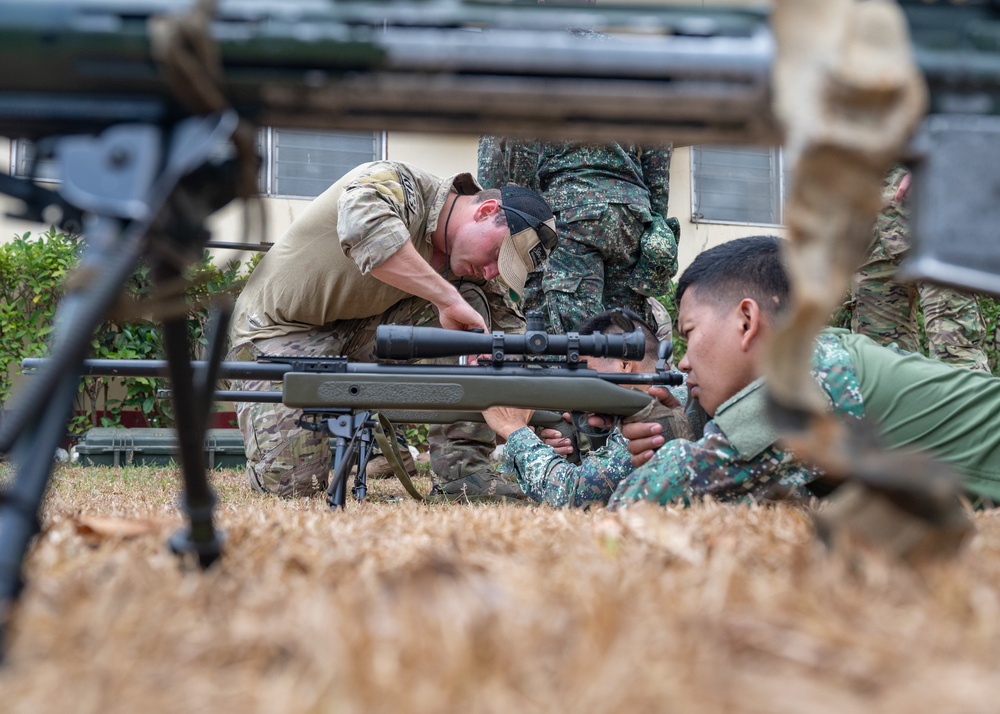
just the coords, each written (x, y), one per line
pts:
(884, 309)
(590, 268)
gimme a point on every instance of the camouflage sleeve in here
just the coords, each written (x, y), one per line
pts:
(548, 478)
(490, 164)
(686, 471)
(371, 216)
(655, 161)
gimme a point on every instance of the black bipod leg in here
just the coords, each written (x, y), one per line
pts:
(360, 489)
(34, 455)
(191, 403)
(348, 430)
(45, 405)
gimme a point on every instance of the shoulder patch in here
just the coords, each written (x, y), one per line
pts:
(409, 191)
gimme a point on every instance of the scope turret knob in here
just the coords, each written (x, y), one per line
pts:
(535, 321)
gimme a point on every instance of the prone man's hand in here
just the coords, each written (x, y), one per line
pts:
(666, 398)
(506, 420)
(559, 442)
(642, 440)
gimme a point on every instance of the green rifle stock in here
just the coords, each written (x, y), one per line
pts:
(458, 393)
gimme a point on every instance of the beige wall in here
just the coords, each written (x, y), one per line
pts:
(696, 237)
(440, 155)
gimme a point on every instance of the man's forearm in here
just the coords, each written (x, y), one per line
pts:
(407, 270)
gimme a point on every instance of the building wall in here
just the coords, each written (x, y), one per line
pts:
(696, 237)
(441, 155)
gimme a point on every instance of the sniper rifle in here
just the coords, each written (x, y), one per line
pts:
(340, 398)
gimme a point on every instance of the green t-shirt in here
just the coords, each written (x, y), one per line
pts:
(922, 403)
(917, 403)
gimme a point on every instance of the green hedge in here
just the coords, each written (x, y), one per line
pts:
(32, 272)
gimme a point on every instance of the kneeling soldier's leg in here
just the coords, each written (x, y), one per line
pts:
(282, 457)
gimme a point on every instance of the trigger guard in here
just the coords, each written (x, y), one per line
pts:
(581, 425)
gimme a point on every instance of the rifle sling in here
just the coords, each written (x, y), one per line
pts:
(385, 436)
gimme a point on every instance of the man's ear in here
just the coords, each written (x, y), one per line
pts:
(485, 210)
(752, 321)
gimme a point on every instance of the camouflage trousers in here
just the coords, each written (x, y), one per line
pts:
(886, 311)
(290, 461)
(590, 269)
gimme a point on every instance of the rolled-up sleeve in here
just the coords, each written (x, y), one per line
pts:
(370, 220)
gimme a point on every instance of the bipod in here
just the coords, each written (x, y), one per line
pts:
(354, 440)
(141, 191)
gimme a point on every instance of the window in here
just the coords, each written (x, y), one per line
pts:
(24, 155)
(296, 164)
(734, 184)
(303, 164)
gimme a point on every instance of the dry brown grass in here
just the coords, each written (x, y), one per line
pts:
(395, 606)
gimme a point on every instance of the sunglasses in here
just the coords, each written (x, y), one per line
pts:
(546, 235)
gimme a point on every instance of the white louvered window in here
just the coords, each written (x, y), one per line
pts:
(303, 164)
(739, 185)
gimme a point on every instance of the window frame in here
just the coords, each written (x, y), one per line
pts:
(778, 180)
(268, 162)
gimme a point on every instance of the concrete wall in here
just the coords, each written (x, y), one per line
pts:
(441, 155)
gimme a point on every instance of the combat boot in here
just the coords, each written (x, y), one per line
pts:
(379, 466)
(480, 487)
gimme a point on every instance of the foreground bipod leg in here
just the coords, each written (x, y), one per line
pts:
(45, 405)
(353, 433)
(192, 399)
(34, 454)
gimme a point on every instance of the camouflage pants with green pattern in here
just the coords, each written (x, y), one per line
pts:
(886, 310)
(590, 269)
(289, 461)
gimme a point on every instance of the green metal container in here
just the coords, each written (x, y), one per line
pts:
(156, 447)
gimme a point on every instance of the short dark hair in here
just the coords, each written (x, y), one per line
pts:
(745, 267)
(609, 321)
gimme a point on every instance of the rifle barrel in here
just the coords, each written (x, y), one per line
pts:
(684, 74)
(276, 371)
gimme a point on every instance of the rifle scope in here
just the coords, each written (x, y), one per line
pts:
(404, 342)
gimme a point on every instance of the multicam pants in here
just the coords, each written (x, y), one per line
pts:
(886, 310)
(289, 461)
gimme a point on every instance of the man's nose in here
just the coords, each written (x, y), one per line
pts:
(490, 271)
(684, 365)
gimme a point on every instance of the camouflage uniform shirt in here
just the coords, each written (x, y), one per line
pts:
(737, 459)
(318, 271)
(548, 478)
